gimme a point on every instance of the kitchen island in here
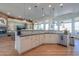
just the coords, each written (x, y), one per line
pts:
(33, 38)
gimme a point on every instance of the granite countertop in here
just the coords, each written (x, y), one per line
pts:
(39, 33)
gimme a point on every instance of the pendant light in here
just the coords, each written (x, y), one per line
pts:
(53, 11)
(43, 12)
(29, 8)
(50, 9)
(61, 5)
(24, 12)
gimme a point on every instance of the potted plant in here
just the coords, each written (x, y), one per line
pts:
(65, 32)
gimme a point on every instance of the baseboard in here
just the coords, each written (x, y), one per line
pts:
(62, 45)
(49, 43)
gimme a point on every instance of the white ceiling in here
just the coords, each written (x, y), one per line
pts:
(18, 9)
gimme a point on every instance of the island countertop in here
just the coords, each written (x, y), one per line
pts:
(38, 32)
(32, 38)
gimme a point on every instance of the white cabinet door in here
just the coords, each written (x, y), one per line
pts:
(51, 38)
(32, 41)
(47, 39)
(35, 40)
(42, 38)
(25, 43)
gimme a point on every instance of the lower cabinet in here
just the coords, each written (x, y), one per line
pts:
(41, 38)
(35, 41)
(54, 38)
(51, 38)
(32, 41)
(26, 43)
(46, 39)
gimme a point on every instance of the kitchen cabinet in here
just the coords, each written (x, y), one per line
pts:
(47, 38)
(51, 38)
(35, 40)
(26, 43)
(41, 38)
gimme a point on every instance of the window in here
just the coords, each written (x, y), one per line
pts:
(76, 27)
(62, 26)
(36, 26)
(68, 26)
(51, 26)
(41, 26)
(46, 26)
(55, 25)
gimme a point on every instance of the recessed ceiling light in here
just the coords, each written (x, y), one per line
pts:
(29, 8)
(61, 4)
(50, 6)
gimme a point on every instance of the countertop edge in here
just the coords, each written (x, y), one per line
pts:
(38, 34)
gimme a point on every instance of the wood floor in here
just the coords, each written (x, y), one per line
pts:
(7, 47)
(54, 50)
